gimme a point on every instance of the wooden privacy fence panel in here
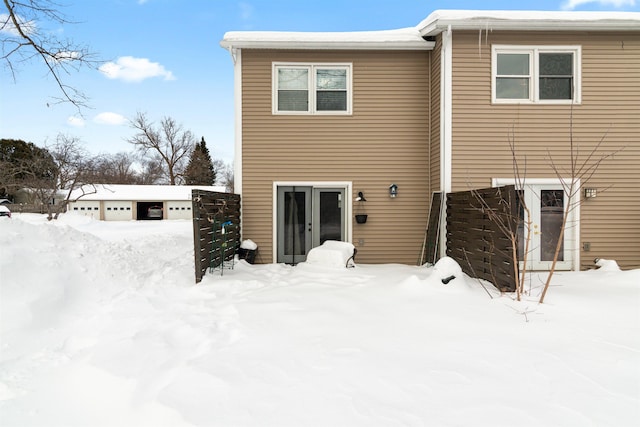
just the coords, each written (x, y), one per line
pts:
(478, 227)
(214, 242)
(431, 246)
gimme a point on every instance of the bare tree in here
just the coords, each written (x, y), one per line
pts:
(24, 36)
(573, 178)
(519, 174)
(509, 220)
(74, 168)
(225, 176)
(118, 168)
(169, 144)
(151, 172)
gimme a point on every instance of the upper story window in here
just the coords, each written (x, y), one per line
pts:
(531, 74)
(312, 88)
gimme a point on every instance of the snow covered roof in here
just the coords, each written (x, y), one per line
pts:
(528, 20)
(412, 38)
(401, 39)
(141, 192)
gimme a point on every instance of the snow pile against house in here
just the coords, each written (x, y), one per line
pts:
(332, 254)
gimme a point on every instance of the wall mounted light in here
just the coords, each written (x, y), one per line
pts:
(590, 193)
(393, 190)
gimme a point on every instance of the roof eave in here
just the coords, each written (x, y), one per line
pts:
(437, 27)
(327, 45)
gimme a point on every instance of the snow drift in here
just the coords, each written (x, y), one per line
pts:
(101, 324)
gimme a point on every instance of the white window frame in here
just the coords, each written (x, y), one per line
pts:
(312, 67)
(534, 73)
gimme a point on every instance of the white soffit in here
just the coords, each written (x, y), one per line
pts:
(401, 39)
(522, 20)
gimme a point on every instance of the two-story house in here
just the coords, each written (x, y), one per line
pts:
(324, 120)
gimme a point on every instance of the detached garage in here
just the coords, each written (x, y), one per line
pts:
(136, 202)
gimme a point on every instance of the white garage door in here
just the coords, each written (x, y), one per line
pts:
(88, 208)
(118, 211)
(179, 210)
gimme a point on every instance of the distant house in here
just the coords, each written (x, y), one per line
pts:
(397, 115)
(30, 196)
(136, 202)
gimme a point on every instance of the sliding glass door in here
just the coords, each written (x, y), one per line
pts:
(308, 216)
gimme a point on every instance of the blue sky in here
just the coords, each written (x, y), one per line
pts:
(163, 58)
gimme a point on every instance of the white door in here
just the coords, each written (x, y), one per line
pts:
(547, 204)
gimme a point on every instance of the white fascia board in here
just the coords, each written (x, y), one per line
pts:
(520, 20)
(401, 39)
(332, 45)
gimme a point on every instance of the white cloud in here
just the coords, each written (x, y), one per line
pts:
(132, 69)
(76, 122)
(7, 27)
(109, 118)
(572, 4)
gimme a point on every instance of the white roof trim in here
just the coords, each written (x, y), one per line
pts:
(522, 20)
(401, 39)
(412, 38)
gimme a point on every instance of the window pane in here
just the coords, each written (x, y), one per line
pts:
(512, 88)
(556, 72)
(331, 79)
(513, 64)
(293, 78)
(556, 64)
(294, 223)
(330, 216)
(555, 88)
(331, 101)
(551, 215)
(293, 100)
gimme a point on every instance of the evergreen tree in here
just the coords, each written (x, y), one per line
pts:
(23, 164)
(200, 169)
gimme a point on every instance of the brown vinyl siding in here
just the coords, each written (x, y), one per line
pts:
(610, 111)
(384, 141)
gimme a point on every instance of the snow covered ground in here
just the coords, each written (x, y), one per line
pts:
(102, 325)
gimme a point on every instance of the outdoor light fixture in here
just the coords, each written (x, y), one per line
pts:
(393, 190)
(590, 193)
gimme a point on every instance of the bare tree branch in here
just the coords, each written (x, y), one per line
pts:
(581, 171)
(168, 143)
(23, 39)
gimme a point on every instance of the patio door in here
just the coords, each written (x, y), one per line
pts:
(307, 216)
(547, 206)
